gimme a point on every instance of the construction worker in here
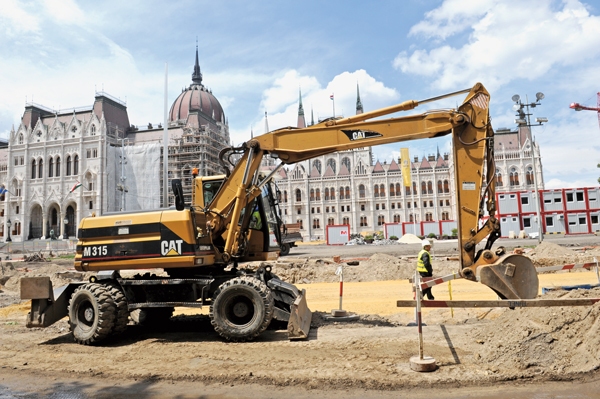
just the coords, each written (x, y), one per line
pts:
(255, 221)
(424, 266)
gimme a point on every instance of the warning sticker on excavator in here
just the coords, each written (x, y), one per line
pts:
(468, 186)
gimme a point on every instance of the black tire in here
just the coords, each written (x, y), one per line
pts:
(284, 250)
(122, 317)
(92, 313)
(241, 309)
(151, 316)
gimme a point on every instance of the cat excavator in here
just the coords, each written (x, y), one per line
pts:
(201, 248)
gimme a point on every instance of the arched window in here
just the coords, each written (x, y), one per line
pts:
(429, 187)
(57, 166)
(392, 191)
(346, 163)
(428, 217)
(318, 194)
(299, 221)
(285, 198)
(529, 176)
(440, 188)
(499, 182)
(33, 169)
(298, 195)
(316, 223)
(380, 220)
(326, 193)
(330, 222)
(68, 171)
(312, 194)
(445, 216)
(415, 188)
(407, 190)
(331, 163)
(76, 165)
(396, 218)
(363, 221)
(93, 130)
(423, 188)
(381, 190)
(51, 168)
(20, 140)
(411, 218)
(347, 192)
(346, 220)
(317, 165)
(41, 169)
(361, 191)
(446, 186)
(332, 192)
(341, 192)
(398, 190)
(376, 190)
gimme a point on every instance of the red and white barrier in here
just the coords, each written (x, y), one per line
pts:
(572, 266)
(439, 280)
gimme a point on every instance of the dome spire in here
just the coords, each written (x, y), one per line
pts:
(197, 75)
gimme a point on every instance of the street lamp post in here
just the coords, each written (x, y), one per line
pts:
(8, 224)
(65, 235)
(524, 120)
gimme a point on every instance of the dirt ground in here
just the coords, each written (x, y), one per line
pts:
(493, 350)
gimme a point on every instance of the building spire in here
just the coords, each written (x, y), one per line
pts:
(197, 75)
(301, 121)
(359, 106)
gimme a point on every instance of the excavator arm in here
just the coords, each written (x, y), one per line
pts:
(511, 276)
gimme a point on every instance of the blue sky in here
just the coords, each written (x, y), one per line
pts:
(255, 56)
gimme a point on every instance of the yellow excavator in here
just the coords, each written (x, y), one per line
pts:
(234, 218)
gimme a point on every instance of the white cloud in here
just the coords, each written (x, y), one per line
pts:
(18, 20)
(504, 42)
(64, 12)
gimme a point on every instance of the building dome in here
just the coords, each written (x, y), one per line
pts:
(196, 98)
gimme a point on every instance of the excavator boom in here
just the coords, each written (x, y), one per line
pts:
(472, 135)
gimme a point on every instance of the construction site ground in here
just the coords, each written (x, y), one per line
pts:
(492, 353)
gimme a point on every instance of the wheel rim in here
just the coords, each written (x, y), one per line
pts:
(239, 310)
(86, 315)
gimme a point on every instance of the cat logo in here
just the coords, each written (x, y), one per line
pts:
(359, 134)
(171, 247)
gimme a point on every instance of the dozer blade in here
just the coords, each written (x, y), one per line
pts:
(300, 318)
(511, 277)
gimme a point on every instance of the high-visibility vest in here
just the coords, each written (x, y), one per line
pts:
(420, 265)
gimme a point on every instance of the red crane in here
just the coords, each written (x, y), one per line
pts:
(579, 107)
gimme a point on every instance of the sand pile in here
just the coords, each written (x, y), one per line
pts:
(379, 267)
(550, 254)
(551, 340)
(409, 239)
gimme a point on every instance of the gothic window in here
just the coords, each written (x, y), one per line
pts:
(41, 169)
(20, 139)
(429, 187)
(341, 192)
(392, 191)
(346, 162)
(298, 195)
(361, 191)
(285, 199)
(396, 218)
(299, 221)
(331, 162)
(529, 176)
(57, 166)
(347, 192)
(499, 179)
(439, 187)
(318, 192)
(76, 164)
(33, 169)
(423, 188)
(317, 165)
(363, 221)
(316, 223)
(330, 222)
(398, 190)
(446, 186)
(312, 194)
(445, 216)
(380, 220)
(415, 188)
(93, 130)
(345, 220)
(51, 168)
(411, 218)
(68, 171)
(326, 193)
(428, 217)
(382, 190)
(376, 190)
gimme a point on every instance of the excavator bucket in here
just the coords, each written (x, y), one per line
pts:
(300, 318)
(511, 277)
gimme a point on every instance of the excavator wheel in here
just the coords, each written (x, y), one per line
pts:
(92, 313)
(241, 309)
(122, 318)
(151, 317)
(284, 250)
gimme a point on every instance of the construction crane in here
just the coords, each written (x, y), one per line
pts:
(579, 107)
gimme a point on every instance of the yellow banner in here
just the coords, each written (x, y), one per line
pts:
(406, 167)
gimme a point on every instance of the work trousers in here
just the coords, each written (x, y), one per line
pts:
(427, 291)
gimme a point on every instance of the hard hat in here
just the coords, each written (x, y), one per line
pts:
(425, 243)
